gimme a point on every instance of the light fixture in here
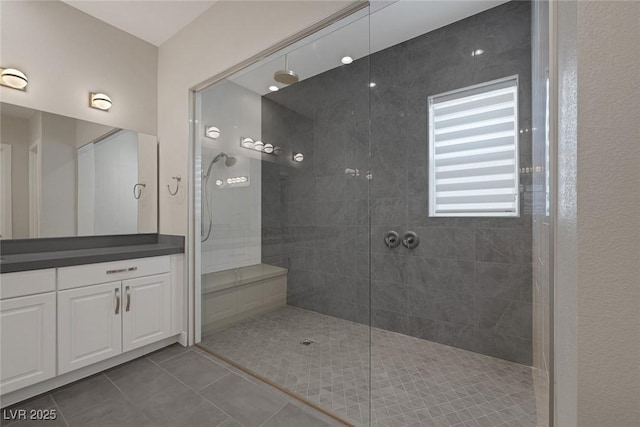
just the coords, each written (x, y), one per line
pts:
(219, 182)
(212, 132)
(260, 146)
(477, 52)
(238, 180)
(274, 88)
(99, 101)
(13, 78)
(346, 60)
(372, 84)
(298, 157)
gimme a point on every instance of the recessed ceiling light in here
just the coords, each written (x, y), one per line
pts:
(346, 60)
(273, 88)
(372, 84)
(298, 157)
(477, 52)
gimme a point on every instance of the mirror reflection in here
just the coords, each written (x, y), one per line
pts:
(62, 176)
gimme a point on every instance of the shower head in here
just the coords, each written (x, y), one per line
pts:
(228, 162)
(286, 76)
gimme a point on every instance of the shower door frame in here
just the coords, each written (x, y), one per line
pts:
(193, 247)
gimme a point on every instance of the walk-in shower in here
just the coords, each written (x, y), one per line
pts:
(428, 132)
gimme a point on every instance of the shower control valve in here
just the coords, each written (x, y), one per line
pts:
(410, 240)
(392, 239)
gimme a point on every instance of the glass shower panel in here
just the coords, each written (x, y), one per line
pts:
(284, 254)
(451, 304)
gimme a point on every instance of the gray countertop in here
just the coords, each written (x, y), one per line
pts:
(36, 254)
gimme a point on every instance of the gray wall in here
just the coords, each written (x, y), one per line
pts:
(468, 284)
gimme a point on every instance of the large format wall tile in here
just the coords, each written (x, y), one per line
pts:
(468, 284)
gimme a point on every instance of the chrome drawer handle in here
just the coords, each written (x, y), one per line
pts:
(128, 299)
(122, 270)
(117, 300)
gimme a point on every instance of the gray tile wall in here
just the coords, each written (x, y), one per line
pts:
(468, 284)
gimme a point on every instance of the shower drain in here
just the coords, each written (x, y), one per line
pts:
(306, 341)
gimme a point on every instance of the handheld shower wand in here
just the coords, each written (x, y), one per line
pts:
(229, 161)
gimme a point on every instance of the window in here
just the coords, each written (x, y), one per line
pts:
(473, 150)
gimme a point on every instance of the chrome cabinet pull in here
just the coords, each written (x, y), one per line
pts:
(128, 299)
(117, 300)
(122, 270)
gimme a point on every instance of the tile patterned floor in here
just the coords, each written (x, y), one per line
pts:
(415, 382)
(173, 387)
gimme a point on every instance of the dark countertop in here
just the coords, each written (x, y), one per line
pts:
(36, 254)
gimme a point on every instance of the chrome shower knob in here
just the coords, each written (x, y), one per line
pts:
(392, 239)
(410, 240)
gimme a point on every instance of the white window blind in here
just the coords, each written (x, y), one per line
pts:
(473, 150)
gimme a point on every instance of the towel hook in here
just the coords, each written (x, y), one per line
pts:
(138, 194)
(178, 179)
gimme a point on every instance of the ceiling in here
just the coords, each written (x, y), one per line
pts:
(358, 36)
(154, 21)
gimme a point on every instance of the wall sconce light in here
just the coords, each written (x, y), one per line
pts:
(258, 145)
(212, 132)
(250, 144)
(298, 157)
(99, 101)
(13, 78)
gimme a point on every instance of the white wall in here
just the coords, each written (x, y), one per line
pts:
(66, 54)
(15, 132)
(236, 211)
(225, 35)
(58, 172)
(598, 239)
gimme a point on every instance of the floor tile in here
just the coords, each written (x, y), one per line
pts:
(141, 379)
(291, 415)
(408, 379)
(84, 394)
(117, 412)
(167, 353)
(194, 370)
(179, 406)
(243, 401)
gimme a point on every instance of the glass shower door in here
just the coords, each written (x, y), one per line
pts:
(283, 149)
(450, 214)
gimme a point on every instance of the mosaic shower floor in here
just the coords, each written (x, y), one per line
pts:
(414, 382)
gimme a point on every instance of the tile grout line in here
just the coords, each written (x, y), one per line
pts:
(192, 389)
(127, 397)
(64, 419)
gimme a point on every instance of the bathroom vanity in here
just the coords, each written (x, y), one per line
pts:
(72, 307)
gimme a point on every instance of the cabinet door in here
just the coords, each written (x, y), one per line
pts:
(146, 317)
(27, 341)
(89, 325)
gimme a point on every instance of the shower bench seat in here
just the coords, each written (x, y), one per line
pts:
(232, 295)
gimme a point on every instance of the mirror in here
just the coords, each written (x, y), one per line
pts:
(61, 177)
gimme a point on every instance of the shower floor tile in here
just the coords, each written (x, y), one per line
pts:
(414, 382)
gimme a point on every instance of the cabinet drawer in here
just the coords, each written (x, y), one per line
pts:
(91, 274)
(25, 283)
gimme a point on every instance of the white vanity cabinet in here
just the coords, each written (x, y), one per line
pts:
(99, 321)
(27, 329)
(89, 325)
(147, 311)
